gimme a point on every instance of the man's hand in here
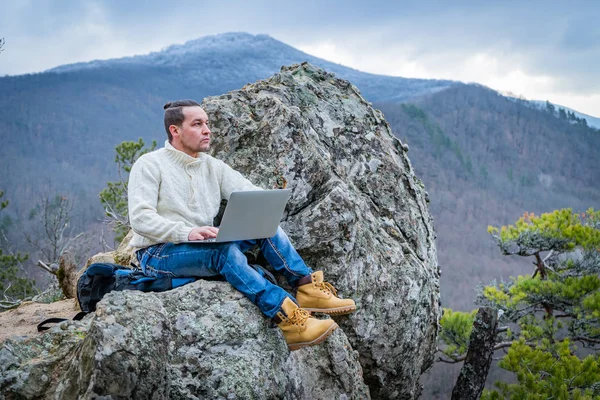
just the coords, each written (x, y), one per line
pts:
(203, 232)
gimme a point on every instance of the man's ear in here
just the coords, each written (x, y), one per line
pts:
(174, 130)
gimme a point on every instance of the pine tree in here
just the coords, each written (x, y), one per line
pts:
(114, 196)
(550, 108)
(562, 114)
(553, 308)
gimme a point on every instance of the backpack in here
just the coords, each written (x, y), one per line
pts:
(101, 278)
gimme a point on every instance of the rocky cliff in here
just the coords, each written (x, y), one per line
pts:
(357, 212)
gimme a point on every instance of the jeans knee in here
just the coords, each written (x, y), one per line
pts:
(228, 254)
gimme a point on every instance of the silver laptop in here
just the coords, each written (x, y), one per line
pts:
(251, 214)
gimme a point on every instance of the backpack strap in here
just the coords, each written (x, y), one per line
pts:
(79, 316)
(42, 325)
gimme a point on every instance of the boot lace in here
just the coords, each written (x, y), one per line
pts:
(327, 287)
(299, 316)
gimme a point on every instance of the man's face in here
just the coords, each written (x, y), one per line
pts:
(193, 136)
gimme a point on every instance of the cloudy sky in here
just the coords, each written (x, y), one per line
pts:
(545, 50)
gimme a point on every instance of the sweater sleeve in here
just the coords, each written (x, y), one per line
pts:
(232, 180)
(144, 184)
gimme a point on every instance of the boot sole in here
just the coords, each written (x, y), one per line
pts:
(333, 311)
(324, 335)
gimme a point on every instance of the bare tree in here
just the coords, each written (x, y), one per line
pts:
(51, 232)
(54, 241)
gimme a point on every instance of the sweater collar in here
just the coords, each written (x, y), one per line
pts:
(181, 157)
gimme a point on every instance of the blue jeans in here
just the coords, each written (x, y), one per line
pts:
(228, 260)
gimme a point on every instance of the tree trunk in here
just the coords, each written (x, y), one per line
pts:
(67, 275)
(473, 374)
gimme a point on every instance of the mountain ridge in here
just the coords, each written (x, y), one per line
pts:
(236, 42)
(197, 52)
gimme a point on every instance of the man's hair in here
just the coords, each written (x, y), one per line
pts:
(174, 114)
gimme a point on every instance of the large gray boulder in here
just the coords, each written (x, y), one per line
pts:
(357, 210)
(201, 341)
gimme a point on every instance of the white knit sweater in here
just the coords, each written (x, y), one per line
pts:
(170, 193)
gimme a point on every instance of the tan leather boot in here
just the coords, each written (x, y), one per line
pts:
(299, 328)
(314, 295)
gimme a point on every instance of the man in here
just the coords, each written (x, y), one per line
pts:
(174, 195)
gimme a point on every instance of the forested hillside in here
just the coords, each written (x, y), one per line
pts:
(485, 160)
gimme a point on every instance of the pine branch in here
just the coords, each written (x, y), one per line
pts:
(498, 346)
(451, 360)
(566, 315)
(502, 329)
(586, 339)
(440, 359)
(548, 256)
(502, 345)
